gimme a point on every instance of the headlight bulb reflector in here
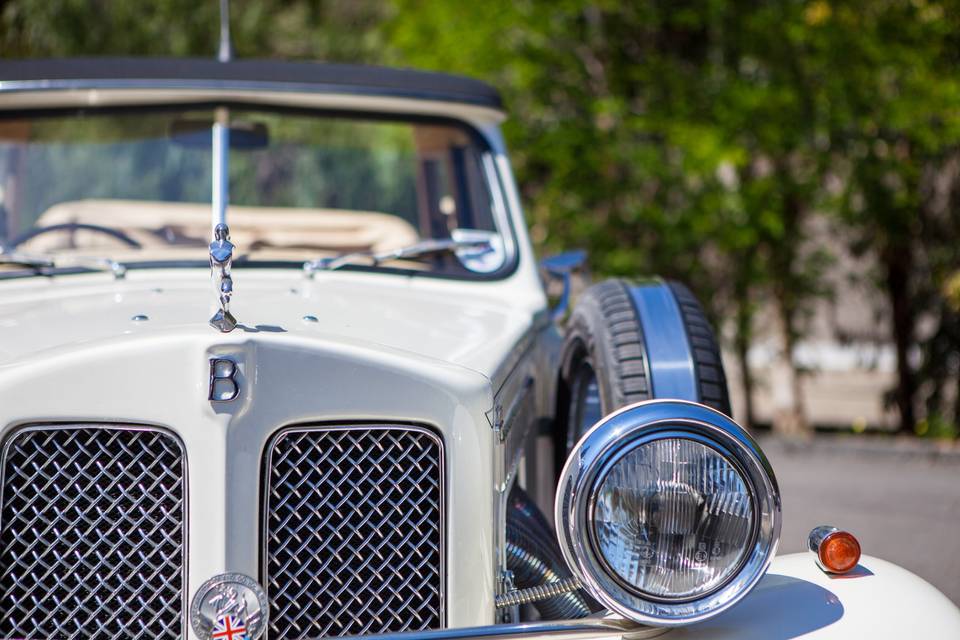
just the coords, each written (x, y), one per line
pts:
(673, 518)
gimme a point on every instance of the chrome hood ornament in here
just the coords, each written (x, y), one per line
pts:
(221, 259)
(221, 249)
(230, 605)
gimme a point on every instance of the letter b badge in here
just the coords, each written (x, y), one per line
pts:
(223, 380)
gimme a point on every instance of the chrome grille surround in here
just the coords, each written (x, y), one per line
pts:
(93, 532)
(353, 539)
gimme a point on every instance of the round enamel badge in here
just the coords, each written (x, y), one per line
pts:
(230, 606)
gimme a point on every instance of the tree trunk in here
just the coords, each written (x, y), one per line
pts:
(744, 333)
(898, 263)
(789, 290)
(789, 412)
(956, 404)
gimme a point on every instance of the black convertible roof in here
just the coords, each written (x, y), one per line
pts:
(240, 74)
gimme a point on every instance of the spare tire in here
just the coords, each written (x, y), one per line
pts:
(625, 343)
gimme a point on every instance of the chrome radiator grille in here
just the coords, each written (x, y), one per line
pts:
(354, 531)
(92, 533)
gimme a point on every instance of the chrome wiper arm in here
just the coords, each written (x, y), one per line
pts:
(25, 260)
(87, 262)
(422, 248)
(118, 269)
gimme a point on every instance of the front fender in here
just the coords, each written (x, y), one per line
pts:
(795, 599)
(877, 600)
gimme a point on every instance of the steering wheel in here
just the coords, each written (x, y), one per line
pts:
(74, 226)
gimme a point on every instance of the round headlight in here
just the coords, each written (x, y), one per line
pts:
(668, 512)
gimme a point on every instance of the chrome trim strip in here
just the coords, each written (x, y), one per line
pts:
(267, 460)
(501, 213)
(586, 627)
(9, 437)
(672, 372)
(75, 84)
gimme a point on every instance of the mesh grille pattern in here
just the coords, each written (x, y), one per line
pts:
(354, 531)
(92, 534)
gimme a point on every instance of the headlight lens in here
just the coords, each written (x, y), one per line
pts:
(668, 512)
(673, 518)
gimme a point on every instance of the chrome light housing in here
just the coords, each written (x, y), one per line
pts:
(668, 512)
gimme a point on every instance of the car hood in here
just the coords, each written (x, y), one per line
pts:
(468, 324)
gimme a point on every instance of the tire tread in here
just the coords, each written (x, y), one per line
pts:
(708, 365)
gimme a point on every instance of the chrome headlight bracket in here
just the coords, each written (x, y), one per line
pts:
(606, 443)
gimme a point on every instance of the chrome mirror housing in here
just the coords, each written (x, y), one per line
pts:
(668, 512)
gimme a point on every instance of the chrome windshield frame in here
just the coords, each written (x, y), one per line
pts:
(493, 179)
(210, 87)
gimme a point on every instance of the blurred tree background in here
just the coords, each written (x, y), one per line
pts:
(713, 141)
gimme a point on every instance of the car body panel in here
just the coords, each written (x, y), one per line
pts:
(161, 379)
(877, 600)
(464, 324)
(795, 600)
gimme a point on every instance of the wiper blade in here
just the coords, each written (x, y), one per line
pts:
(44, 262)
(422, 248)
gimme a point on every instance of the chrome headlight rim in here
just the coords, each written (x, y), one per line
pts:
(646, 437)
(608, 442)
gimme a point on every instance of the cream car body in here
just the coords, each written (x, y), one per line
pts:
(474, 360)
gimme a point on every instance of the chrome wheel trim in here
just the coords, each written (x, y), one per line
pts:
(585, 404)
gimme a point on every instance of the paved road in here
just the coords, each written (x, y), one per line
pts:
(902, 502)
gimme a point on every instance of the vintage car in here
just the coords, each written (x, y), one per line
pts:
(374, 421)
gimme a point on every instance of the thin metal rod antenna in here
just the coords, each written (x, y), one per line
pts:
(225, 52)
(221, 132)
(220, 195)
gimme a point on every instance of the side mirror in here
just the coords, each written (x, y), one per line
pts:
(483, 258)
(561, 267)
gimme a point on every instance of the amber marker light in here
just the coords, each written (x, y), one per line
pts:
(836, 551)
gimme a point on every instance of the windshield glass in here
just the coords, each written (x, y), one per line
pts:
(135, 186)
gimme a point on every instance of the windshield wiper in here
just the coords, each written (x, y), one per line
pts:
(38, 263)
(422, 248)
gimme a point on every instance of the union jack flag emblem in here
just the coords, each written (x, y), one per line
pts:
(229, 628)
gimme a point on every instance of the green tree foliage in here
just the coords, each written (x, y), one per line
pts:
(892, 114)
(698, 139)
(338, 30)
(665, 137)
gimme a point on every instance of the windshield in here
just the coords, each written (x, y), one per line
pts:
(135, 186)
